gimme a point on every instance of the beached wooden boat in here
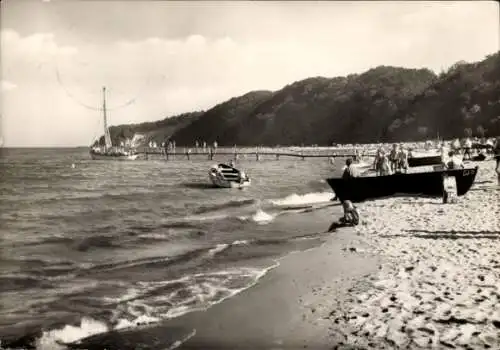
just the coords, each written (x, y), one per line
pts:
(430, 183)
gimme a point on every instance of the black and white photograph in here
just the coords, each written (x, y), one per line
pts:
(275, 175)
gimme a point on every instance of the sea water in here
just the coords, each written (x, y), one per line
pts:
(93, 246)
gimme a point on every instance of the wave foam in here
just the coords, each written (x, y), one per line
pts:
(51, 340)
(301, 199)
(262, 217)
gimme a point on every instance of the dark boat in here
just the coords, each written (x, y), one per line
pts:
(485, 146)
(479, 157)
(425, 160)
(429, 183)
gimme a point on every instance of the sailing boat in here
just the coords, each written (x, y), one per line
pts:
(108, 151)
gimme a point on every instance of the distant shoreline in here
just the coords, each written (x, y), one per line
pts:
(192, 147)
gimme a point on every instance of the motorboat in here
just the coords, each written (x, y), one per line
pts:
(227, 176)
(426, 183)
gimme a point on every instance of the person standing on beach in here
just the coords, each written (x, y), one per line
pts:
(349, 170)
(402, 159)
(385, 167)
(496, 151)
(381, 163)
(444, 154)
(454, 161)
(393, 157)
(467, 144)
(351, 215)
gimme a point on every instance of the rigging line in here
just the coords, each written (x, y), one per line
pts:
(133, 100)
(70, 95)
(129, 102)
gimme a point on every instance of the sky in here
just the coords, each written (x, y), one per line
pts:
(162, 58)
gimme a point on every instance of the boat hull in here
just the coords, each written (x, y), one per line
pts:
(96, 156)
(228, 177)
(422, 161)
(229, 184)
(428, 184)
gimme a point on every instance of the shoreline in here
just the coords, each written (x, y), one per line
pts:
(288, 308)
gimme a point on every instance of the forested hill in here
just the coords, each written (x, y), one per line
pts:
(382, 104)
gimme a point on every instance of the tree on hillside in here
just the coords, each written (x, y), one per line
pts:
(423, 130)
(480, 131)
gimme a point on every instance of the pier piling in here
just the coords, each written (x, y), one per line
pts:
(236, 154)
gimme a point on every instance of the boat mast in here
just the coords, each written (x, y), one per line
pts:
(107, 136)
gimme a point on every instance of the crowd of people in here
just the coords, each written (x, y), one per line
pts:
(387, 163)
(394, 161)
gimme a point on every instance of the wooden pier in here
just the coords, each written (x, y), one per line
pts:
(247, 153)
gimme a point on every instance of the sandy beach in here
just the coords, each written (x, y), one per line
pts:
(439, 286)
(416, 273)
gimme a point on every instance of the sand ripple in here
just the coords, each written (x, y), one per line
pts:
(439, 286)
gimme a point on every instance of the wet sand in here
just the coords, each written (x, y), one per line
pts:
(290, 307)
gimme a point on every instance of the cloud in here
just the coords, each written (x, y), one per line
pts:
(35, 44)
(7, 85)
(236, 49)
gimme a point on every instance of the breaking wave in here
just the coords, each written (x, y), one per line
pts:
(303, 199)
